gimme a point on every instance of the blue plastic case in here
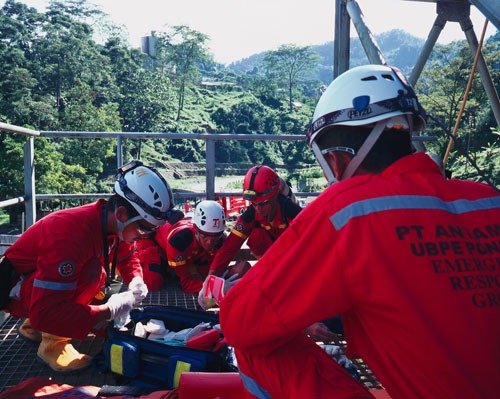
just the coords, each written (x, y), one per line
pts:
(142, 362)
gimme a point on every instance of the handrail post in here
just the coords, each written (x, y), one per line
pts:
(29, 181)
(119, 152)
(210, 172)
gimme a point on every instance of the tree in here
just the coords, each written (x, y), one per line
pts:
(64, 52)
(18, 25)
(124, 62)
(181, 50)
(81, 114)
(441, 90)
(146, 105)
(288, 64)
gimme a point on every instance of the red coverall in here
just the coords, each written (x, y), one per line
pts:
(260, 233)
(412, 263)
(186, 256)
(61, 259)
(154, 264)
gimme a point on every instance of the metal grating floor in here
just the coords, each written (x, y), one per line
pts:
(18, 359)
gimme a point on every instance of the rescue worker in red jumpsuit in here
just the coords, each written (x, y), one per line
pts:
(272, 207)
(189, 247)
(151, 253)
(51, 275)
(155, 269)
(408, 258)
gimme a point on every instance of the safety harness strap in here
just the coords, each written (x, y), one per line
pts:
(110, 272)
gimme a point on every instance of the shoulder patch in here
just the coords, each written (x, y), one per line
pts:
(66, 268)
(239, 227)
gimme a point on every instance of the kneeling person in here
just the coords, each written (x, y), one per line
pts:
(51, 275)
(191, 245)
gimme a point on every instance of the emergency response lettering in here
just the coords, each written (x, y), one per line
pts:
(465, 265)
(436, 248)
(449, 231)
(462, 232)
(468, 258)
(403, 231)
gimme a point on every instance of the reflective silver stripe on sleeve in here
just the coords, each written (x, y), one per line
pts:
(52, 285)
(254, 388)
(416, 202)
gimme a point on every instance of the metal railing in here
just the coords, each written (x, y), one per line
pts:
(29, 173)
(30, 196)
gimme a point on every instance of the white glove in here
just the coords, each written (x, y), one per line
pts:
(214, 289)
(138, 288)
(120, 304)
(205, 302)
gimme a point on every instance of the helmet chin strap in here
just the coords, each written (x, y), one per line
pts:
(324, 164)
(364, 150)
(402, 122)
(120, 226)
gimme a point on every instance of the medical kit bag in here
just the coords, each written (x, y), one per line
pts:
(139, 361)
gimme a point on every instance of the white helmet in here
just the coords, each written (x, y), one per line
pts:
(209, 217)
(366, 95)
(146, 190)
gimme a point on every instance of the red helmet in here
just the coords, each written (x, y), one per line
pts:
(261, 183)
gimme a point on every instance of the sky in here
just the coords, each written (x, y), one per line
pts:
(240, 28)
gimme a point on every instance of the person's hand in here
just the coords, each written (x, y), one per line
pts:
(320, 332)
(230, 282)
(138, 289)
(205, 303)
(205, 297)
(344, 361)
(332, 350)
(120, 304)
(213, 290)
